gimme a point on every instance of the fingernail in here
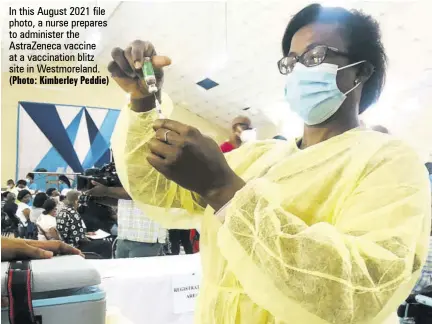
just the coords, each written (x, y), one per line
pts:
(48, 254)
(137, 65)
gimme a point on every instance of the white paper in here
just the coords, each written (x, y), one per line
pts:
(99, 235)
(185, 290)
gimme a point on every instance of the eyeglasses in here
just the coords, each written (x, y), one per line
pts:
(311, 57)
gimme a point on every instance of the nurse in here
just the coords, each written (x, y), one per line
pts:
(330, 228)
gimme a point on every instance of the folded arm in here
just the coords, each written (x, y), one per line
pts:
(353, 270)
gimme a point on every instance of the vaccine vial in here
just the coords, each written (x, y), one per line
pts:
(149, 75)
(150, 80)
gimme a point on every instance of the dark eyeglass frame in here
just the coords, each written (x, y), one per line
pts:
(300, 58)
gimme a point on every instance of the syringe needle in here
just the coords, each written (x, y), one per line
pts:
(158, 107)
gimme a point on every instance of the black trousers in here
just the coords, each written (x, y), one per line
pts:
(180, 236)
(100, 247)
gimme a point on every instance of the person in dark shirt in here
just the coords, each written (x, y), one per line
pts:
(177, 237)
(10, 222)
(97, 216)
(73, 231)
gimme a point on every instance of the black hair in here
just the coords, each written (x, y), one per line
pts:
(10, 181)
(49, 206)
(280, 137)
(10, 209)
(22, 182)
(30, 175)
(65, 180)
(22, 194)
(40, 199)
(50, 191)
(361, 32)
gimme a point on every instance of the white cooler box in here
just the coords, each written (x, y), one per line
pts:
(64, 291)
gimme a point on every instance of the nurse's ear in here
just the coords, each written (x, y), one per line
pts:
(364, 72)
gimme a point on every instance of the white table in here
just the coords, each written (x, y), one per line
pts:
(140, 288)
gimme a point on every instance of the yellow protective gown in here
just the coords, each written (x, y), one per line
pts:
(335, 233)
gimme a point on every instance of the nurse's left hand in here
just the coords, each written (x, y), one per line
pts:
(194, 161)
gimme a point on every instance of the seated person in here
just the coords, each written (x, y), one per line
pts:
(37, 208)
(97, 216)
(10, 222)
(21, 184)
(3, 198)
(47, 225)
(60, 202)
(53, 193)
(10, 184)
(23, 213)
(8, 197)
(11, 197)
(72, 228)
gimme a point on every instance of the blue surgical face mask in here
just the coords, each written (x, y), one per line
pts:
(312, 92)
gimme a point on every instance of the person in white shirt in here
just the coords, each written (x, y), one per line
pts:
(47, 223)
(21, 184)
(23, 213)
(138, 235)
(37, 207)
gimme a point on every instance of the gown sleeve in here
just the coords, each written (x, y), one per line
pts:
(356, 268)
(161, 199)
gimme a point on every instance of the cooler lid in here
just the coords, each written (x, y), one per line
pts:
(58, 273)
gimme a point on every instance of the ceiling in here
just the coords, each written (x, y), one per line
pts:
(237, 44)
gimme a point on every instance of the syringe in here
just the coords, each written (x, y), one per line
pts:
(158, 108)
(150, 80)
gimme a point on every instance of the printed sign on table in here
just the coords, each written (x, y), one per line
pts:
(185, 290)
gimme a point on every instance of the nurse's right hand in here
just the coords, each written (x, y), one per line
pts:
(19, 249)
(126, 68)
